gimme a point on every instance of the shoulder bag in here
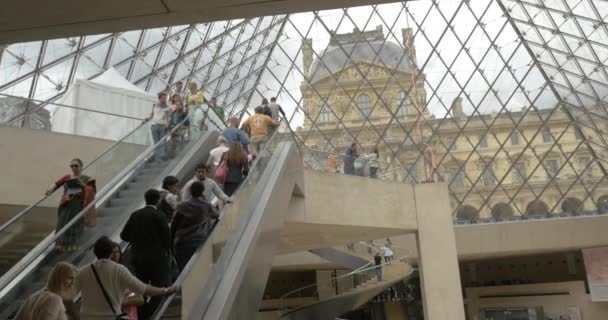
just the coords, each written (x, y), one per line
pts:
(122, 316)
(221, 172)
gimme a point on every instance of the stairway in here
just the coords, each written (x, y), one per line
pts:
(330, 308)
(390, 273)
(21, 242)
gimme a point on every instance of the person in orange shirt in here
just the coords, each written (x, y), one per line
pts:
(259, 124)
(332, 163)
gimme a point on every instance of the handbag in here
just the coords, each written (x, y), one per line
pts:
(133, 300)
(221, 172)
(122, 316)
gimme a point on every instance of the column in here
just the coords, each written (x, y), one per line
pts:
(438, 260)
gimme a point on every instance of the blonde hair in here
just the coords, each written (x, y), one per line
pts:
(56, 281)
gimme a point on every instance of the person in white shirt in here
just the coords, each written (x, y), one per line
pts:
(388, 254)
(374, 166)
(159, 120)
(114, 278)
(215, 155)
(170, 196)
(211, 187)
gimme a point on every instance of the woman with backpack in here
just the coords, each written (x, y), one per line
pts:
(237, 168)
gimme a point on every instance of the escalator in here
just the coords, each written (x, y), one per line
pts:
(117, 198)
(226, 277)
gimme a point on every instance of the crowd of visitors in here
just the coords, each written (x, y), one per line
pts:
(164, 234)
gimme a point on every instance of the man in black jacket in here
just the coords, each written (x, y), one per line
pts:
(150, 237)
(193, 222)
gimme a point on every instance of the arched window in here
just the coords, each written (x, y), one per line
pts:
(325, 114)
(572, 205)
(402, 103)
(467, 213)
(502, 210)
(537, 207)
(365, 105)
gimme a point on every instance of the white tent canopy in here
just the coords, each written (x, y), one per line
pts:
(110, 93)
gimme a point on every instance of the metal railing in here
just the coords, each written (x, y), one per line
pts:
(356, 278)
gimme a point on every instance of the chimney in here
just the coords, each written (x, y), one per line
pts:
(456, 109)
(408, 43)
(307, 55)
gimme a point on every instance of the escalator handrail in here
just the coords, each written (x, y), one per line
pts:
(180, 279)
(23, 212)
(102, 196)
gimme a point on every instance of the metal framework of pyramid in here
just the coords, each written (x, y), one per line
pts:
(505, 99)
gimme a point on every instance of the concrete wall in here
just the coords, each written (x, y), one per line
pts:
(520, 238)
(555, 298)
(32, 159)
(338, 209)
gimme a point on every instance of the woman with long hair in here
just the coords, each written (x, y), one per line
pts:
(238, 167)
(175, 99)
(47, 303)
(78, 192)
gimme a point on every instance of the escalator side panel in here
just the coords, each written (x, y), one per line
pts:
(244, 271)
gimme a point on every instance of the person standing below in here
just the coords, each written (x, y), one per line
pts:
(47, 303)
(332, 163)
(233, 134)
(238, 168)
(259, 124)
(103, 283)
(349, 159)
(160, 120)
(219, 110)
(378, 263)
(147, 230)
(169, 197)
(211, 187)
(192, 225)
(388, 253)
(78, 192)
(373, 163)
(215, 155)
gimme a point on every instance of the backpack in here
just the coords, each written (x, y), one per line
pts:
(221, 172)
(165, 207)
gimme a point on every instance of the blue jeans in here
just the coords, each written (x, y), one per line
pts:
(379, 273)
(158, 132)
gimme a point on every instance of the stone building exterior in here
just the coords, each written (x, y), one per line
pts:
(531, 161)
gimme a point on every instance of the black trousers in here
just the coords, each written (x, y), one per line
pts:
(153, 270)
